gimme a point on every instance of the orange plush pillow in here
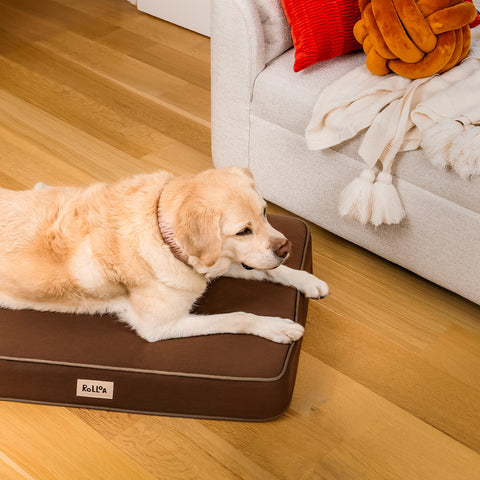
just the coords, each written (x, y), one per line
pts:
(321, 29)
(414, 38)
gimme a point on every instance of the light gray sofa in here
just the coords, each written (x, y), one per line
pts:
(260, 109)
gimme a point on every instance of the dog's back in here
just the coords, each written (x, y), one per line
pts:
(67, 245)
(34, 246)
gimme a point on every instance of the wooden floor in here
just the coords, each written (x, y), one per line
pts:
(388, 384)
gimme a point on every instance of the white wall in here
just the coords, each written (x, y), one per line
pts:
(191, 14)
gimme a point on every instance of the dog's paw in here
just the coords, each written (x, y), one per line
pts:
(280, 330)
(310, 285)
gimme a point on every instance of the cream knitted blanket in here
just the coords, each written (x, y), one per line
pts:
(439, 113)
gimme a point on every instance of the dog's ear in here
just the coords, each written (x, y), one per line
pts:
(198, 232)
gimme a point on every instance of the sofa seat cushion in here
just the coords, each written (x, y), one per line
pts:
(285, 98)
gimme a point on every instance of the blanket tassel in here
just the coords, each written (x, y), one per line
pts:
(464, 154)
(450, 144)
(356, 198)
(437, 141)
(386, 204)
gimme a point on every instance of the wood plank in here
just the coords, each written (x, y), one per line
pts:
(77, 87)
(118, 13)
(157, 30)
(367, 300)
(108, 424)
(166, 58)
(179, 159)
(32, 29)
(51, 139)
(6, 181)
(106, 124)
(395, 374)
(462, 360)
(35, 165)
(158, 86)
(65, 17)
(9, 470)
(171, 451)
(51, 443)
(443, 306)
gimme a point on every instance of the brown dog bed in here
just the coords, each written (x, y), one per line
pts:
(98, 362)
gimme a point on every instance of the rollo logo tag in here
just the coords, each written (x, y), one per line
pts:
(94, 389)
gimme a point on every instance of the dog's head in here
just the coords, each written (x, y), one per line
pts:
(218, 218)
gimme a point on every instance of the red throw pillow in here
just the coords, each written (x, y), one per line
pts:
(321, 29)
(477, 18)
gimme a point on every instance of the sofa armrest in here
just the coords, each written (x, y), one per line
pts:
(245, 36)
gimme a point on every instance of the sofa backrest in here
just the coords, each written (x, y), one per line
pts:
(276, 29)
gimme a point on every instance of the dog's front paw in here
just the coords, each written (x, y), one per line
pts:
(280, 330)
(311, 286)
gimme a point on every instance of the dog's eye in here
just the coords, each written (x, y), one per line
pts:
(264, 212)
(245, 231)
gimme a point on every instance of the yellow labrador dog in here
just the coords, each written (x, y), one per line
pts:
(145, 249)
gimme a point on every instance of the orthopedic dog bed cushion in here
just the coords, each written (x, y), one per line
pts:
(97, 362)
(414, 39)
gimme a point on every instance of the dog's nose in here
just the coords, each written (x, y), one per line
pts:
(282, 247)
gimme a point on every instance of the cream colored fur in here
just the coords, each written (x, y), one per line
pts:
(99, 249)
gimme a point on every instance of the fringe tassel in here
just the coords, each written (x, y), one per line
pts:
(356, 198)
(437, 141)
(465, 153)
(450, 144)
(386, 204)
(366, 200)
